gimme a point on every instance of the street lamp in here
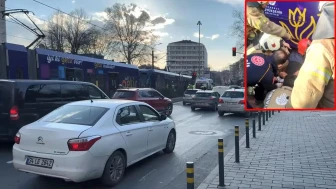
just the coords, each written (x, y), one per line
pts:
(153, 54)
(199, 47)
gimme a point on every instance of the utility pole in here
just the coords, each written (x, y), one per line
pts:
(199, 48)
(153, 58)
(3, 38)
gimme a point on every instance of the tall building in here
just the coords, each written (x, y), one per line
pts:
(183, 57)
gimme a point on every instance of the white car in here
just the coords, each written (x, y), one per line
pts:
(92, 139)
(232, 101)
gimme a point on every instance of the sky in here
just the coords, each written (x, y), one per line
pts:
(181, 17)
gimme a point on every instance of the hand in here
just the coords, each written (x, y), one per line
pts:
(286, 45)
(288, 36)
(283, 74)
(274, 79)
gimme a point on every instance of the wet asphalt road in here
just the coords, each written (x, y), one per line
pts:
(160, 171)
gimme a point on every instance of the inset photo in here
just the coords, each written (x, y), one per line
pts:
(289, 55)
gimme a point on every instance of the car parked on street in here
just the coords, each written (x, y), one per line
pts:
(150, 96)
(92, 139)
(232, 101)
(25, 101)
(205, 99)
(188, 95)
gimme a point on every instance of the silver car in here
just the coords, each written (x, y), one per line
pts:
(232, 101)
(205, 99)
(188, 95)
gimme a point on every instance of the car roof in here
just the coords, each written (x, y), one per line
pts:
(239, 90)
(105, 103)
(206, 91)
(42, 81)
(135, 89)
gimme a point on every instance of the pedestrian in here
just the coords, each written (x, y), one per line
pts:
(261, 72)
(314, 85)
(268, 44)
(257, 22)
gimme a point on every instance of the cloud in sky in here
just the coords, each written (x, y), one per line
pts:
(232, 2)
(196, 34)
(213, 37)
(73, 1)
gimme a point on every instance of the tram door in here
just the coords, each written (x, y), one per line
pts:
(73, 74)
(113, 82)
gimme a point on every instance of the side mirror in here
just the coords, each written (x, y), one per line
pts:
(163, 117)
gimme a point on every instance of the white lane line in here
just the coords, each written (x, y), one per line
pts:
(10, 162)
(144, 177)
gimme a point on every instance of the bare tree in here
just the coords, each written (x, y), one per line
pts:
(237, 28)
(132, 34)
(55, 36)
(98, 43)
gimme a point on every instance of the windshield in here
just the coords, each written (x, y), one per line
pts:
(190, 91)
(124, 94)
(233, 94)
(199, 85)
(203, 94)
(74, 114)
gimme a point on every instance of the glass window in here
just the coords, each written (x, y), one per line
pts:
(127, 115)
(155, 94)
(43, 93)
(73, 92)
(94, 93)
(145, 94)
(75, 114)
(148, 113)
(233, 94)
(190, 91)
(203, 94)
(124, 94)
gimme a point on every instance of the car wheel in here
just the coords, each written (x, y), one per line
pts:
(192, 108)
(114, 169)
(169, 109)
(184, 103)
(220, 113)
(171, 141)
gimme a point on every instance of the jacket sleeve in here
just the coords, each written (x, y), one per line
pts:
(312, 79)
(258, 20)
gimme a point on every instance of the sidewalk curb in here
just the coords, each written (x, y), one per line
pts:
(214, 173)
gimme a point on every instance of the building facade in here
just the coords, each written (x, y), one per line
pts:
(183, 57)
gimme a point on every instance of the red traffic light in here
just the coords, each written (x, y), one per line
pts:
(234, 51)
(194, 74)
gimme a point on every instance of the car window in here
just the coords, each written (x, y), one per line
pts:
(203, 94)
(94, 93)
(148, 113)
(190, 91)
(124, 94)
(75, 114)
(43, 93)
(5, 94)
(155, 94)
(73, 92)
(145, 94)
(233, 94)
(127, 115)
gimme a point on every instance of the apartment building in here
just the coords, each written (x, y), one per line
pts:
(183, 57)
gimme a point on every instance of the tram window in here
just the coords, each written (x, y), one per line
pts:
(94, 93)
(71, 92)
(43, 93)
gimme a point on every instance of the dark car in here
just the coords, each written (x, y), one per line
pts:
(150, 96)
(25, 101)
(205, 99)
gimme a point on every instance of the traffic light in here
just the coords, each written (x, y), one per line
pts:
(194, 75)
(234, 51)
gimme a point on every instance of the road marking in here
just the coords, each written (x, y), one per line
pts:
(144, 177)
(10, 162)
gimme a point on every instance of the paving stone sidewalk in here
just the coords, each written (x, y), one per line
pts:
(293, 150)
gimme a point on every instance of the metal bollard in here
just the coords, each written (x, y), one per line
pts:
(247, 130)
(221, 162)
(263, 113)
(259, 121)
(272, 112)
(237, 143)
(254, 127)
(190, 175)
(278, 111)
(266, 115)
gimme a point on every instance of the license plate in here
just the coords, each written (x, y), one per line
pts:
(39, 162)
(230, 103)
(201, 104)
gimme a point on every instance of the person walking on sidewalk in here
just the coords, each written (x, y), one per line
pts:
(314, 86)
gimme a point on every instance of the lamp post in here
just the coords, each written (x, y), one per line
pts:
(199, 47)
(153, 54)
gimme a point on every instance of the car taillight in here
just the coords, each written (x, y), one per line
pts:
(14, 113)
(82, 144)
(242, 102)
(220, 101)
(17, 138)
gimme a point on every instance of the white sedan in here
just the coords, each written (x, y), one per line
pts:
(92, 139)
